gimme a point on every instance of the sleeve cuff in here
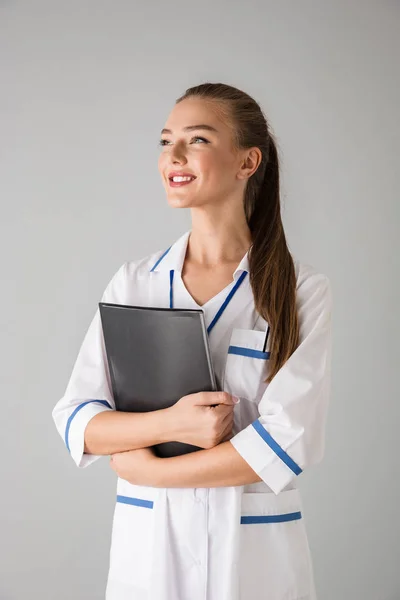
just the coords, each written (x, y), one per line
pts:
(266, 457)
(75, 430)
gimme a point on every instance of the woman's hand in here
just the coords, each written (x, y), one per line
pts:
(204, 419)
(138, 467)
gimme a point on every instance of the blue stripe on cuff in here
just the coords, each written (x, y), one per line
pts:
(248, 352)
(78, 408)
(271, 518)
(276, 448)
(135, 501)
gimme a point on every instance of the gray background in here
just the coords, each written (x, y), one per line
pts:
(85, 89)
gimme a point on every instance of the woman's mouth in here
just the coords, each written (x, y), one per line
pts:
(179, 181)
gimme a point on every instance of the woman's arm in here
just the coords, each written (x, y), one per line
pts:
(113, 431)
(219, 466)
(214, 467)
(289, 434)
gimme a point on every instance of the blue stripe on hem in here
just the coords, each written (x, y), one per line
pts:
(248, 352)
(135, 501)
(271, 518)
(77, 409)
(276, 447)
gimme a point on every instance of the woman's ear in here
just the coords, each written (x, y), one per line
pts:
(250, 163)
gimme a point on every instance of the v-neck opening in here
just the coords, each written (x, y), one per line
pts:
(225, 291)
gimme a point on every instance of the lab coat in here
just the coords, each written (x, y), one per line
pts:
(245, 542)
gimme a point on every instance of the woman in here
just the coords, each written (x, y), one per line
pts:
(225, 522)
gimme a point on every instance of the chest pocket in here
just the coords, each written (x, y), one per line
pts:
(247, 364)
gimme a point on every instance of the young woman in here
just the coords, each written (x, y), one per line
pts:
(224, 522)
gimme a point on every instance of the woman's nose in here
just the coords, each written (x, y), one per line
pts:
(178, 154)
(178, 159)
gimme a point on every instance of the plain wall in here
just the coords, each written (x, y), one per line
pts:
(86, 87)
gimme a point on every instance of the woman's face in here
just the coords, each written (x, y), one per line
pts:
(206, 154)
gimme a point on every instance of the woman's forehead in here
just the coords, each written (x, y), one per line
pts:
(195, 111)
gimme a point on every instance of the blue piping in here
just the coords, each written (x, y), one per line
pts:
(77, 409)
(276, 448)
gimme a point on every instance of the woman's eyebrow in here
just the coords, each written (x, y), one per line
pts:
(192, 127)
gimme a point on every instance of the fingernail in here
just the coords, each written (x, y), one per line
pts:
(236, 399)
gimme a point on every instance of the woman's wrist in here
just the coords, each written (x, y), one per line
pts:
(168, 430)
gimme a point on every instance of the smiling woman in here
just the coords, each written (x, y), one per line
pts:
(230, 168)
(224, 522)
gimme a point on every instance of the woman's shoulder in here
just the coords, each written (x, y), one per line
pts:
(129, 275)
(307, 272)
(142, 266)
(311, 282)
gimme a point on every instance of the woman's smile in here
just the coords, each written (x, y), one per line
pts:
(179, 181)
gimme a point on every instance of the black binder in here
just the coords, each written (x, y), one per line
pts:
(155, 356)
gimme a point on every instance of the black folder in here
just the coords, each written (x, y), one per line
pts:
(155, 356)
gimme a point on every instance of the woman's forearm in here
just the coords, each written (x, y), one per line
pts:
(114, 431)
(214, 467)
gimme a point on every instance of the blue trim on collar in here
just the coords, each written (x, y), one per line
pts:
(160, 259)
(171, 279)
(226, 302)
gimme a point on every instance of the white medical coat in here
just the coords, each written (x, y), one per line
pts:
(244, 542)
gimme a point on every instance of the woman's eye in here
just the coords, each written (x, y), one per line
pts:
(163, 142)
(200, 138)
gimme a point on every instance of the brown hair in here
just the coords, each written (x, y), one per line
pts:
(272, 273)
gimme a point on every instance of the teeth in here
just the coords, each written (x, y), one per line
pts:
(182, 178)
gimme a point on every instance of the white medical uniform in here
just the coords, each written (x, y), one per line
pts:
(244, 542)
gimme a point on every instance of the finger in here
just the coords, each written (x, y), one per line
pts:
(215, 398)
(227, 419)
(227, 424)
(225, 411)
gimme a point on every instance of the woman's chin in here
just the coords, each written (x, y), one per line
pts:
(180, 202)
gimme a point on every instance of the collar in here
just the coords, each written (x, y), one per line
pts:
(174, 256)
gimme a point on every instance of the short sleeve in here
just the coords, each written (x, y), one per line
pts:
(289, 434)
(89, 390)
